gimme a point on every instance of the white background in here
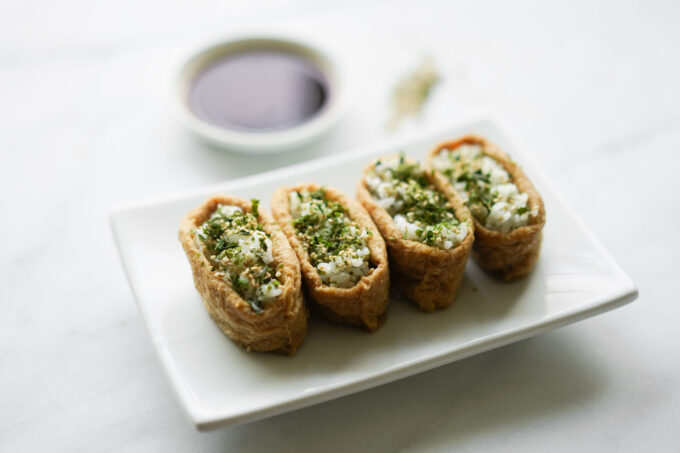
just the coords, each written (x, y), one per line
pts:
(590, 90)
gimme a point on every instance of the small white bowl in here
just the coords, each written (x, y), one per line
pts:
(263, 141)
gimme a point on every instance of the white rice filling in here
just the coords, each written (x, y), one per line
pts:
(509, 208)
(252, 245)
(388, 192)
(345, 269)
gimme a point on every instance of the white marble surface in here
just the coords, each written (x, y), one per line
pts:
(590, 90)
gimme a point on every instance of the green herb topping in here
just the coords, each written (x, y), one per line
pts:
(420, 211)
(337, 245)
(240, 251)
(486, 187)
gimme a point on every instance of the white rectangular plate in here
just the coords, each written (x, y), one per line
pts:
(219, 383)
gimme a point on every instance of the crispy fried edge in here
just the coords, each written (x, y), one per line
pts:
(282, 326)
(508, 255)
(365, 304)
(427, 275)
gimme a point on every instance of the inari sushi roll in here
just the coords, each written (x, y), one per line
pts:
(508, 211)
(246, 273)
(427, 229)
(342, 255)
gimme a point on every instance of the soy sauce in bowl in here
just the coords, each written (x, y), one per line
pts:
(259, 90)
(261, 94)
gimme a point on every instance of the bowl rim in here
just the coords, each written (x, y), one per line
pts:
(262, 141)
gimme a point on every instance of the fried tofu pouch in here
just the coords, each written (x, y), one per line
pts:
(282, 326)
(363, 305)
(429, 276)
(507, 255)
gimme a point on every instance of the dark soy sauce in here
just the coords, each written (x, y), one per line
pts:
(258, 90)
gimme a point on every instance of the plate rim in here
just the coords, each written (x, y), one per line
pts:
(205, 419)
